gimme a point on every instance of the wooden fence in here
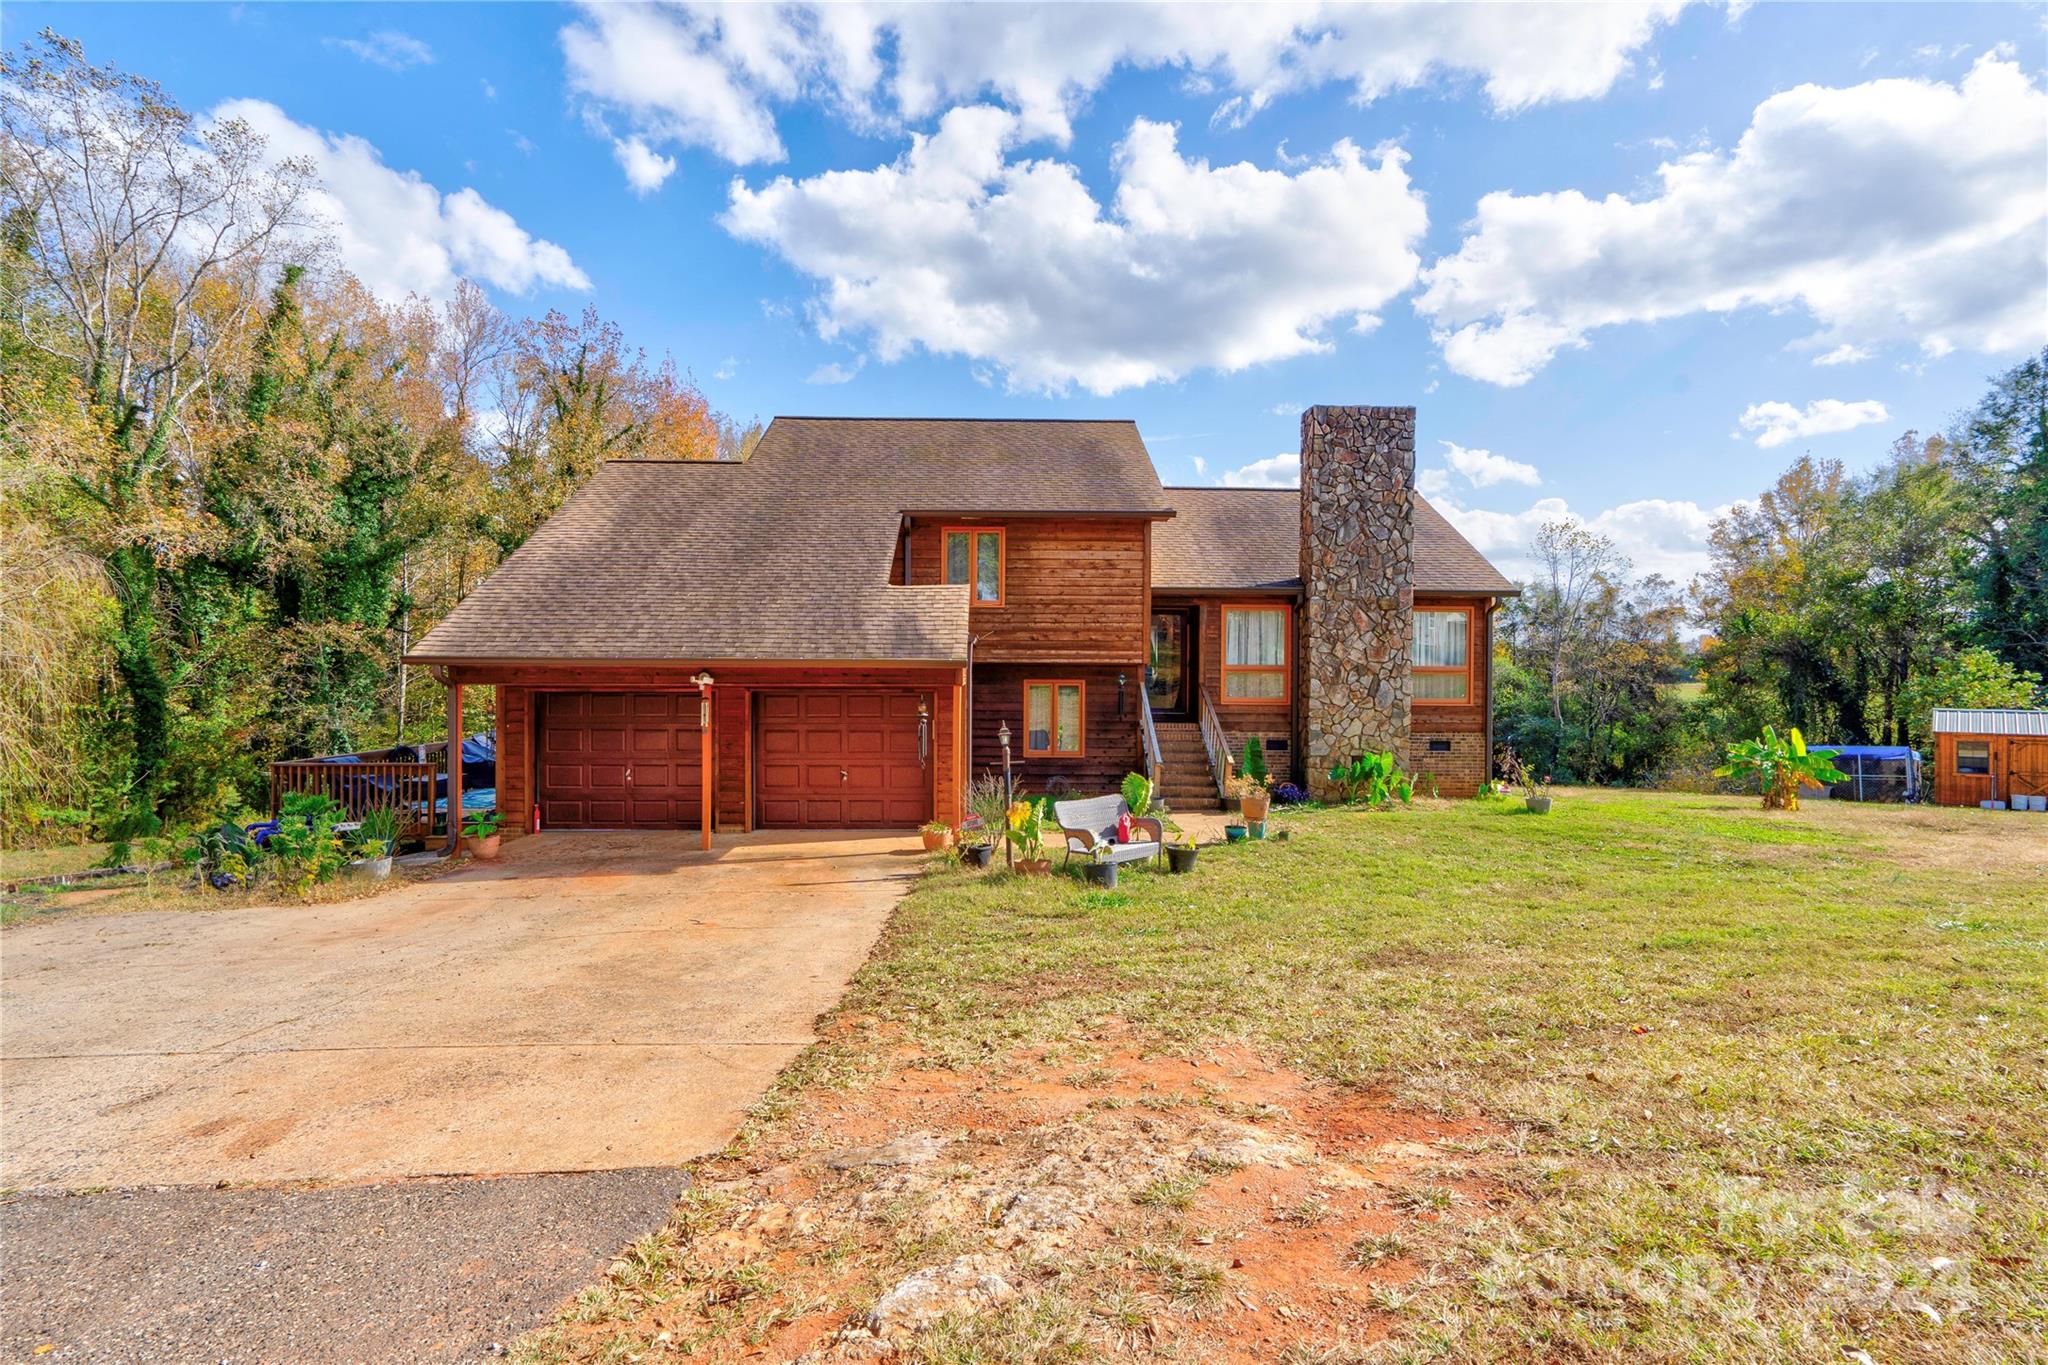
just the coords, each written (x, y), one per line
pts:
(408, 789)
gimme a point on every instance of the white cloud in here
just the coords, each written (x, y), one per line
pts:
(1896, 210)
(490, 91)
(1844, 354)
(1287, 409)
(1658, 536)
(958, 249)
(388, 48)
(713, 75)
(1201, 465)
(1775, 423)
(645, 168)
(834, 372)
(727, 368)
(1483, 468)
(397, 233)
(1277, 471)
(1433, 483)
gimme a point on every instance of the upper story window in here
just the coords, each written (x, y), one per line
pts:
(975, 555)
(1255, 654)
(1440, 656)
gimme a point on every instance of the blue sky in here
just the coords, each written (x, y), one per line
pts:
(1626, 261)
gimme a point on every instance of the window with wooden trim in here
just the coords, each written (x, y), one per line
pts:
(1055, 719)
(975, 555)
(1255, 652)
(1973, 757)
(1440, 656)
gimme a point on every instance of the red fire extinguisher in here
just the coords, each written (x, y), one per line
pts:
(536, 818)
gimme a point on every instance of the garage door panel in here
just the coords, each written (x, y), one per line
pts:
(839, 760)
(620, 761)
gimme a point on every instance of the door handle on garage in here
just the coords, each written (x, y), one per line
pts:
(629, 774)
(842, 774)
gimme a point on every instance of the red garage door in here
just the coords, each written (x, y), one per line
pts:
(839, 760)
(620, 760)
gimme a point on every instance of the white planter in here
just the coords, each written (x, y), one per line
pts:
(1992, 805)
(376, 869)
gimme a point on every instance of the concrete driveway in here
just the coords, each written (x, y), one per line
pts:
(593, 1001)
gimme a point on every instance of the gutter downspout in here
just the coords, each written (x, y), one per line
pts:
(1492, 606)
(967, 724)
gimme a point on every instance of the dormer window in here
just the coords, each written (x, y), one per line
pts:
(974, 554)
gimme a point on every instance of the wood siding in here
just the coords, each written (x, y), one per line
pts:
(1112, 746)
(1074, 591)
(2019, 765)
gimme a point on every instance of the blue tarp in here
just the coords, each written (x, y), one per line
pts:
(1895, 752)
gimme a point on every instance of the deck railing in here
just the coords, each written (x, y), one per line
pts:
(1217, 744)
(408, 790)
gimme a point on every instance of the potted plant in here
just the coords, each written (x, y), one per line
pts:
(1517, 773)
(937, 835)
(1254, 798)
(1101, 870)
(1779, 766)
(1025, 822)
(975, 848)
(1234, 831)
(375, 836)
(480, 832)
(1180, 854)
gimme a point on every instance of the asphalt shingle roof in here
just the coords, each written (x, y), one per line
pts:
(1242, 538)
(786, 555)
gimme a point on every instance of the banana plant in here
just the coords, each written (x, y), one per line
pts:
(1780, 766)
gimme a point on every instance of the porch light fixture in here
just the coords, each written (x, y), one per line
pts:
(703, 681)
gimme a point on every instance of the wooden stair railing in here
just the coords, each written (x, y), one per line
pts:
(1217, 745)
(1155, 767)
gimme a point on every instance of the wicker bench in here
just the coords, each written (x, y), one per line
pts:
(1091, 824)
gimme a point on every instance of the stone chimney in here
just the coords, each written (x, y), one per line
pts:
(1358, 584)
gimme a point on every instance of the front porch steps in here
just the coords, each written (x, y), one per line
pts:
(1186, 783)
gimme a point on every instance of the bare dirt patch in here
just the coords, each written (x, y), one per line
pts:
(1214, 1207)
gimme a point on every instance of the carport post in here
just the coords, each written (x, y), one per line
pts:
(703, 681)
(454, 817)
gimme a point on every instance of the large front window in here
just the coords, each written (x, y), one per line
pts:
(976, 556)
(1255, 654)
(1053, 719)
(1440, 647)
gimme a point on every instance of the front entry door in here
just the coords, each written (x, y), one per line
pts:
(1170, 668)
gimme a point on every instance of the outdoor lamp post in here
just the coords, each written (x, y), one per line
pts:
(703, 681)
(1009, 795)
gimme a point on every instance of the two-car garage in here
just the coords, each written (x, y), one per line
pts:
(819, 758)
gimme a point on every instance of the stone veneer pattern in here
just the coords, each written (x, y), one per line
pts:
(1358, 584)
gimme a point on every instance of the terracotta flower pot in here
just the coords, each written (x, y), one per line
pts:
(1255, 808)
(936, 839)
(1034, 867)
(485, 848)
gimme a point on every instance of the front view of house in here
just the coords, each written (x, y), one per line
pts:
(840, 631)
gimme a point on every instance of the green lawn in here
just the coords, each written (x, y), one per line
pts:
(1766, 1086)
